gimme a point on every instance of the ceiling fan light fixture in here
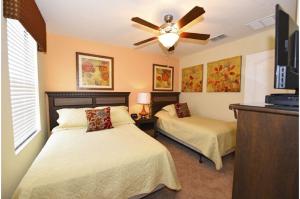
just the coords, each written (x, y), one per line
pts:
(170, 32)
(168, 39)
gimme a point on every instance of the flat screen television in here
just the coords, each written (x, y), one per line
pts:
(286, 75)
(286, 52)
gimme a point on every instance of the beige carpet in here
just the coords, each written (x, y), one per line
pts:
(199, 181)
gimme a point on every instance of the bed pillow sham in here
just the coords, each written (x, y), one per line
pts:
(72, 117)
(113, 108)
(76, 117)
(119, 115)
(182, 110)
(170, 109)
(98, 119)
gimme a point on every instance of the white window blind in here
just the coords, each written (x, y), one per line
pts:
(23, 79)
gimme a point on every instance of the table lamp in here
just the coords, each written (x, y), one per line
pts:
(143, 98)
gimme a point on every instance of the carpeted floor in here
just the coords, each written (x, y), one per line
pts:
(198, 181)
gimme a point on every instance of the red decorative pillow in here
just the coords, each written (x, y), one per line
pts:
(182, 110)
(98, 119)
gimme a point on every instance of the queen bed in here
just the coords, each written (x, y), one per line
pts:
(208, 137)
(121, 162)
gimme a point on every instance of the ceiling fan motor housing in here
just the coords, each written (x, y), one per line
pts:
(168, 27)
(168, 18)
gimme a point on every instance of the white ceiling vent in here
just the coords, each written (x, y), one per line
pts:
(218, 37)
(262, 23)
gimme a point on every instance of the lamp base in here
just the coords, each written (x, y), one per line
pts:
(143, 113)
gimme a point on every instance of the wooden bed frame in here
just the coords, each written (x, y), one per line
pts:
(59, 100)
(161, 99)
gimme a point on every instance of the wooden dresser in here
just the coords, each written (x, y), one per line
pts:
(267, 153)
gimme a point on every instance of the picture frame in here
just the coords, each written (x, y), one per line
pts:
(94, 72)
(192, 78)
(162, 77)
(224, 75)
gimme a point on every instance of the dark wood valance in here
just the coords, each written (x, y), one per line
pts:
(29, 15)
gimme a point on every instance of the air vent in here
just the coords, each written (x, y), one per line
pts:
(262, 23)
(218, 37)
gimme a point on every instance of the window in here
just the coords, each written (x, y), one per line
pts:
(23, 79)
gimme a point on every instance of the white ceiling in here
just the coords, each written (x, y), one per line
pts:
(109, 21)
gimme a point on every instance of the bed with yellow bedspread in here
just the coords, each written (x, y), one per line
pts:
(210, 137)
(121, 162)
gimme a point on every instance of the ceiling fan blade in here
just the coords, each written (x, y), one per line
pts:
(191, 35)
(145, 41)
(171, 49)
(144, 23)
(190, 16)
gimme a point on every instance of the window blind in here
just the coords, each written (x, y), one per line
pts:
(23, 79)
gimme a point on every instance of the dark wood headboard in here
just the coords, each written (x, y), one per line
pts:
(59, 100)
(161, 99)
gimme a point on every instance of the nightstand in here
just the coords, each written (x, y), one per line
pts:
(147, 125)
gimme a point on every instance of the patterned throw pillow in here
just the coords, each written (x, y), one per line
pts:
(98, 119)
(182, 110)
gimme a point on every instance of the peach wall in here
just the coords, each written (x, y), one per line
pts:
(132, 68)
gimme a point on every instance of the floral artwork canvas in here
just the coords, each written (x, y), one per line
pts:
(162, 77)
(192, 79)
(224, 75)
(94, 71)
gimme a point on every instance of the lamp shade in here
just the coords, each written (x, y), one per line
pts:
(143, 98)
(168, 39)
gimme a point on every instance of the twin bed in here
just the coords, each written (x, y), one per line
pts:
(122, 162)
(208, 137)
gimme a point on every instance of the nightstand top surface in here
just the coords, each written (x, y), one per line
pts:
(146, 120)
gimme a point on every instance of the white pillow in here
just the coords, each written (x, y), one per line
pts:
(113, 107)
(72, 117)
(119, 115)
(171, 109)
(76, 117)
(163, 114)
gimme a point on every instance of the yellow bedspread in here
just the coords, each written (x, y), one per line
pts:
(213, 138)
(116, 163)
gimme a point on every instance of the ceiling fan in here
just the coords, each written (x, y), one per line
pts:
(170, 32)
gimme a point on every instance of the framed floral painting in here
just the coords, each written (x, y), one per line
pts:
(192, 79)
(224, 75)
(163, 77)
(94, 72)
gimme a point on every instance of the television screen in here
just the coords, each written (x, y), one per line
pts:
(286, 51)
